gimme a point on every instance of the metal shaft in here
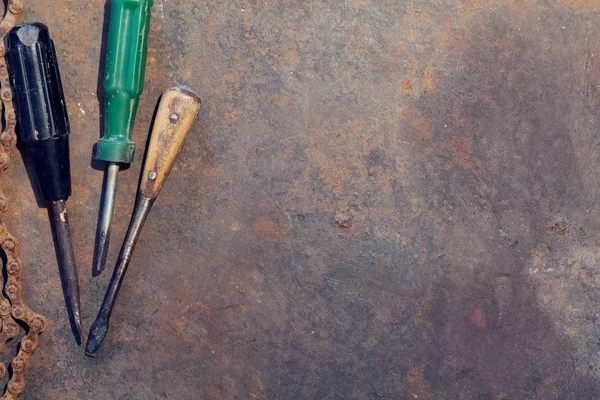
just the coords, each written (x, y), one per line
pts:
(100, 326)
(107, 207)
(66, 265)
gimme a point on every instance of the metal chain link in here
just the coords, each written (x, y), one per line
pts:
(13, 308)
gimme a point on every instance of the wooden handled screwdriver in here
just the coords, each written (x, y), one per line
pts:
(176, 114)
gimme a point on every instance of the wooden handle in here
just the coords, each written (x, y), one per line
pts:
(176, 114)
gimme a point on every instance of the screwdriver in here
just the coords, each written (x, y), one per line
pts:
(44, 134)
(175, 116)
(123, 84)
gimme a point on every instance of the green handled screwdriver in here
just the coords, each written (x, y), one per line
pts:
(123, 84)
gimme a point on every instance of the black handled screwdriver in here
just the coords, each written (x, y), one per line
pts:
(44, 134)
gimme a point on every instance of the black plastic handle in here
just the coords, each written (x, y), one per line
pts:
(40, 106)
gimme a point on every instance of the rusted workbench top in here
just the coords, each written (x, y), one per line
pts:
(380, 200)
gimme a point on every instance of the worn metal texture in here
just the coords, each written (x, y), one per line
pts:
(380, 200)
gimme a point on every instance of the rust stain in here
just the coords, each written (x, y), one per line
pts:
(71, 384)
(215, 392)
(561, 228)
(286, 53)
(211, 172)
(81, 193)
(232, 116)
(351, 51)
(231, 82)
(235, 226)
(211, 22)
(421, 128)
(248, 16)
(425, 319)
(284, 101)
(336, 176)
(573, 332)
(476, 3)
(181, 323)
(461, 149)
(273, 228)
(415, 22)
(406, 85)
(359, 4)
(539, 257)
(478, 318)
(429, 79)
(577, 273)
(453, 277)
(259, 382)
(416, 379)
(559, 295)
(582, 5)
(343, 219)
(61, 394)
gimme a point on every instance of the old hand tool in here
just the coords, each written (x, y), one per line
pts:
(123, 84)
(44, 132)
(13, 309)
(176, 113)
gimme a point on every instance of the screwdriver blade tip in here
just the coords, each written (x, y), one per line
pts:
(96, 336)
(100, 252)
(77, 332)
(74, 311)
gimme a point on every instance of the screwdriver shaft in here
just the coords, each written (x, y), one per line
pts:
(66, 265)
(107, 207)
(100, 326)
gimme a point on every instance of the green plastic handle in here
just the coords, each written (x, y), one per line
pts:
(124, 76)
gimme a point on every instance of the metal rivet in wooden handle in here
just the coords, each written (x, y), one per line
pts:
(175, 117)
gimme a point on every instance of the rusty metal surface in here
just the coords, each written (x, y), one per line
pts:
(381, 200)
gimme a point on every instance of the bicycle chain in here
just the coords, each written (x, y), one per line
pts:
(13, 308)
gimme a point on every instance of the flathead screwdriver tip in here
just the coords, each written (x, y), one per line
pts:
(96, 336)
(107, 206)
(77, 331)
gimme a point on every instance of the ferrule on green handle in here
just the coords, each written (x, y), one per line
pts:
(124, 77)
